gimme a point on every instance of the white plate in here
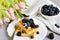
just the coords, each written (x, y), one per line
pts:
(41, 36)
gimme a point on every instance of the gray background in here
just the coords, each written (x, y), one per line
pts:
(56, 2)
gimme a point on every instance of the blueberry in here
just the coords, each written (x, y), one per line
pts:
(28, 24)
(32, 25)
(57, 26)
(44, 9)
(45, 6)
(56, 10)
(18, 34)
(48, 13)
(36, 26)
(24, 20)
(32, 37)
(26, 27)
(51, 36)
(23, 31)
(50, 6)
(52, 12)
(37, 32)
(53, 9)
(30, 20)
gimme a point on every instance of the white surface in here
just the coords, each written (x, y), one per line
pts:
(34, 7)
(57, 2)
(3, 34)
(31, 3)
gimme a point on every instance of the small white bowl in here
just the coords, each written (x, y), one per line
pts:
(48, 17)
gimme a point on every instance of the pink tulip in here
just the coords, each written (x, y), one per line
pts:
(12, 16)
(11, 10)
(6, 19)
(1, 23)
(16, 6)
(22, 10)
(22, 6)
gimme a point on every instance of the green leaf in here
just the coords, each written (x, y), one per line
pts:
(20, 14)
(2, 7)
(0, 16)
(4, 14)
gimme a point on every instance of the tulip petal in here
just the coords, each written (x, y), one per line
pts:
(6, 19)
(11, 10)
(16, 6)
